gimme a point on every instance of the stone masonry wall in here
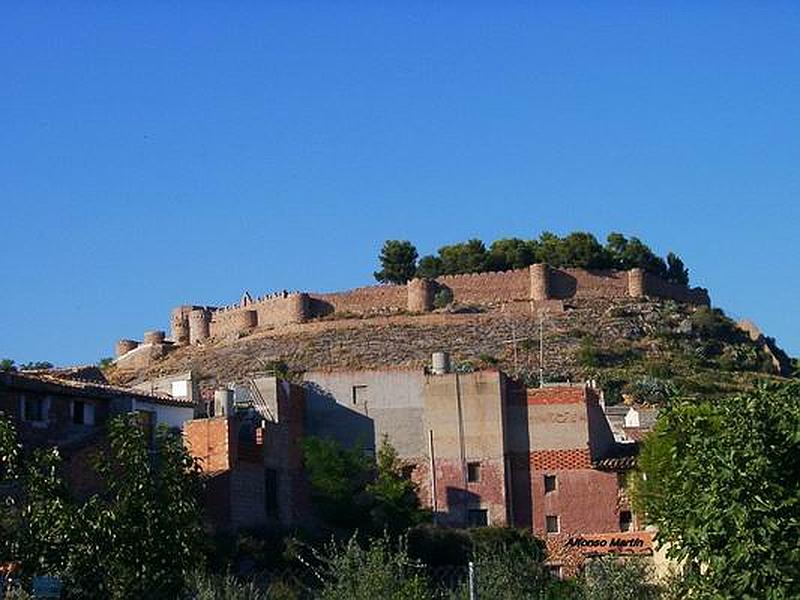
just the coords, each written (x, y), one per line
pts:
(541, 285)
(366, 300)
(488, 288)
(568, 283)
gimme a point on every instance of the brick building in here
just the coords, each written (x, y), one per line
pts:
(249, 446)
(486, 451)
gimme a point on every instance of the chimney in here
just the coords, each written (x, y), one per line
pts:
(223, 403)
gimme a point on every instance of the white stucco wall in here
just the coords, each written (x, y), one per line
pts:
(171, 416)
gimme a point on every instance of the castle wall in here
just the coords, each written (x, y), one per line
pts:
(232, 321)
(655, 286)
(488, 288)
(570, 283)
(544, 285)
(374, 299)
(293, 308)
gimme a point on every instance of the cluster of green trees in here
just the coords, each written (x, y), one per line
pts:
(721, 481)
(398, 258)
(7, 364)
(141, 537)
(351, 491)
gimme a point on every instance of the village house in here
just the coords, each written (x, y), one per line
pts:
(69, 408)
(484, 450)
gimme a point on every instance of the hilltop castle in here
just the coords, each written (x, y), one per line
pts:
(534, 288)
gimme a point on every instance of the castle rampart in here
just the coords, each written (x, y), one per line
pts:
(539, 285)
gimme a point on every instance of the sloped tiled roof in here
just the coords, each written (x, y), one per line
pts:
(620, 457)
(90, 388)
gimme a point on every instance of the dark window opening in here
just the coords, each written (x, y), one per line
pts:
(555, 571)
(549, 483)
(473, 472)
(477, 517)
(271, 491)
(407, 471)
(33, 409)
(625, 520)
(78, 412)
(359, 394)
(551, 524)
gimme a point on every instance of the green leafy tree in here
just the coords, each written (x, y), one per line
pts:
(442, 297)
(398, 261)
(338, 478)
(105, 363)
(676, 270)
(355, 571)
(610, 578)
(39, 365)
(395, 503)
(550, 249)
(7, 364)
(638, 254)
(144, 529)
(721, 481)
(511, 253)
(588, 355)
(430, 267)
(581, 249)
(467, 257)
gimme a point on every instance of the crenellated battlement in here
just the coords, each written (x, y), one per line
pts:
(539, 285)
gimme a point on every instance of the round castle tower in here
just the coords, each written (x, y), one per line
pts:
(636, 283)
(540, 281)
(154, 337)
(179, 325)
(420, 295)
(199, 325)
(125, 346)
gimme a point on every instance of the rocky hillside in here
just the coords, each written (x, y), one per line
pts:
(634, 347)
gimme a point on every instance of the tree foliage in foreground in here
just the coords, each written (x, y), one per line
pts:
(721, 481)
(346, 486)
(141, 537)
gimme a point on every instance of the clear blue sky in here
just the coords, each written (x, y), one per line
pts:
(159, 153)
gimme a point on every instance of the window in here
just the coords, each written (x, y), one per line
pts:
(33, 409)
(555, 571)
(477, 517)
(82, 413)
(473, 472)
(549, 483)
(625, 520)
(359, 394)
(271, 491)
(551, 524)
(407, 471)
(78, 412)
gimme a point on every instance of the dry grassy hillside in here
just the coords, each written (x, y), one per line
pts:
(633, 347)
